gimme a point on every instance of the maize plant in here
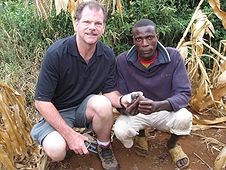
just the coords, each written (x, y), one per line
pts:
(17, 149)
(209, 86)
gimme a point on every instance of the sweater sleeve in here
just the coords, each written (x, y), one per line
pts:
(181, 87)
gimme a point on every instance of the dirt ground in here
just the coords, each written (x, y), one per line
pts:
(201, 153)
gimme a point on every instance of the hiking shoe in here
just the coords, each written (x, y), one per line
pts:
(107, 158)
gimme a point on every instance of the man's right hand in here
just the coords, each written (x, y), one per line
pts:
(76, 142)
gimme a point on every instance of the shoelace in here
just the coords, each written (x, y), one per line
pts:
(107, 155)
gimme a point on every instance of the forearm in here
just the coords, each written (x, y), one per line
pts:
(162, 105)
(52, 116)
(114, 98)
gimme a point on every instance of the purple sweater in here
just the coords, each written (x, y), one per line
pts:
(165, 79)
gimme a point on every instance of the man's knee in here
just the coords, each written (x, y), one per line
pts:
(55, 146)
(185, 116)
(101, 105)
(181, 123)
(120, 127)
(123, 131)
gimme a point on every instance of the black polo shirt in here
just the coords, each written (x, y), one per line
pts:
(65, 79)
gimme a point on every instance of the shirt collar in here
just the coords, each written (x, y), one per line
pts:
(163, 55)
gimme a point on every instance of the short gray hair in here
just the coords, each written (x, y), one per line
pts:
(92, 5)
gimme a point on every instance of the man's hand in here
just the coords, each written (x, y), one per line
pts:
(76, 142)
(147, 106)
(132, 108)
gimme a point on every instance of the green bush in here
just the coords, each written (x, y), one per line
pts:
(22, 33)
(172, 18)
(164, 13)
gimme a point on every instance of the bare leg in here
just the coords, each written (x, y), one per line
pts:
(55, 146)
(171, 143)
(99, 111)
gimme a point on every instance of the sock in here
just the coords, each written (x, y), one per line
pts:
(105, 144)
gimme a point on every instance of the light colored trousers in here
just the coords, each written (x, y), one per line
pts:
(127, 127)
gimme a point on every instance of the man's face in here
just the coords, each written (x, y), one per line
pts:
(145, 39)
(91, 26)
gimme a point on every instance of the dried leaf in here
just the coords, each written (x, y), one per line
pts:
(184, 51)
(220, 161)
(44, 8)
(61, 5)
(5, 160)
(120, 9)
(15, 128)
(209, 122)
(206, 127)
(222, 78)
(72, 7)
(215, 4)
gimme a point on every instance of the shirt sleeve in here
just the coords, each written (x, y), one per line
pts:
(48, 77)
(121, 82)
(110, 83)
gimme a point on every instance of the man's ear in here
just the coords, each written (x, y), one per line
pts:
(104, 28)
(75, 24)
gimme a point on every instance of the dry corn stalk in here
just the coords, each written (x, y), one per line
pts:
(17, 149)
(44, 7)
(207, 124)
(209, 86)
(220, 161)
(215, 4)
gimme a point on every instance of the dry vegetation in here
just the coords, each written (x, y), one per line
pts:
(209, 89)
(208, 85)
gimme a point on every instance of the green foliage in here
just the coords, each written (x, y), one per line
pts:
(164, 13)
(59, 26)
(171, 17)
(23, 41)
(117, 35)
(22, 33)
(19, 32)
(23, 36)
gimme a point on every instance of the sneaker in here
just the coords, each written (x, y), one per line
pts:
(107, 158)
